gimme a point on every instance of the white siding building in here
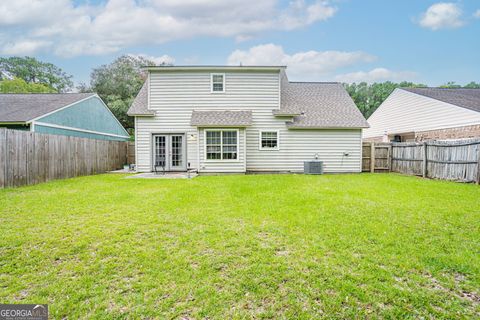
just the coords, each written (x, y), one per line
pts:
(243, 119)
(415, 114)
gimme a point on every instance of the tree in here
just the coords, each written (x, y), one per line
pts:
(451, 85)
(118, 83)
(369, 97)
(32, 70)
(472, 85)
(17, 85)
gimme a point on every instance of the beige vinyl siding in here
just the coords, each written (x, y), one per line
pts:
(174, 95)
(297, 146)
(147, 126)
(405, 111)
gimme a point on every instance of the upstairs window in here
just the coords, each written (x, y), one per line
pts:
(217, 82)
(268, 140)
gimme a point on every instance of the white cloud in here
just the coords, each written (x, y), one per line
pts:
(165, 59)
(113, 25)
(376, 75)
(24, 47)
(299, 13)
(477, 14)
(443, 15)
(303, 65)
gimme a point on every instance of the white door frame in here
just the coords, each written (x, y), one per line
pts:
(170, 151)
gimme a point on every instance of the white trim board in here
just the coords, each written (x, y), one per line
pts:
(44, 124)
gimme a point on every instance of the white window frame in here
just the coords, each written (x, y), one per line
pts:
(211, 82)
(260, 140)
(221, 145)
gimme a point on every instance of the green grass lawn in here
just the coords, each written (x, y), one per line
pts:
(255, 246)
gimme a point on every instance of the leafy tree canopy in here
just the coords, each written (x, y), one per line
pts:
(453, 85)
(33, 71)
(17, 85)
(118, 83)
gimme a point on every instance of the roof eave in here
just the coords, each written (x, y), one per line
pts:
(14, 122)
(221, 126)
(286, 114)
(141, 114)
(293, 127)
(214, 68)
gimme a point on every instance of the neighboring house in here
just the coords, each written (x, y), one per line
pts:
(243, 119)
(417, 114)
(72, 114)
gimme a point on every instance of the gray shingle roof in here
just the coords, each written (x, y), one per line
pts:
(25, 107)
(320, 105)
(221, 118)
(140, 103)
(465, 98)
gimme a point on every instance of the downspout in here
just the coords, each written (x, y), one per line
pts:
(136, 141)
(245, 150)
(198, 149)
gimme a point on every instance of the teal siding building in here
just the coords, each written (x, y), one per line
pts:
(72, 114)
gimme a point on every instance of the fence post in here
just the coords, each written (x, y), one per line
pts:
(390, 157)
(425, 160)
(478, 165)
(3, 157)
(372, 157)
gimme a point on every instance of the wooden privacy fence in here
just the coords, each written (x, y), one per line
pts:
(447, 160)
(131, 152)
(30, 158)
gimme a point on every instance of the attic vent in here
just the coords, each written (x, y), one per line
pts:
(313, 167)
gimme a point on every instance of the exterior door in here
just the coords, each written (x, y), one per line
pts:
(169, 152)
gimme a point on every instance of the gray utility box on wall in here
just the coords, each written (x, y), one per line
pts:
(313, 167)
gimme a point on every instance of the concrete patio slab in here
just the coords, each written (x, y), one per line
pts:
(167, 175)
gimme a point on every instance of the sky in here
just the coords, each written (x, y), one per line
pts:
(423, 41)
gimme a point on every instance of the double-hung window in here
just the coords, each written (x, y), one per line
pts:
(217, 82)
(221, 144)
(268, 140)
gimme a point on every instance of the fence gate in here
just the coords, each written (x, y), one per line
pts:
(377, 157)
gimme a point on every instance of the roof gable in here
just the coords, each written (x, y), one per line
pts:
(465, 98)
(320, 105)
(26, 107)
(139, 105)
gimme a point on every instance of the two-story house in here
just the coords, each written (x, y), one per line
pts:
(243, 119)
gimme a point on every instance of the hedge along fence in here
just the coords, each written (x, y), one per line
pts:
(457, 160)
(28, 158)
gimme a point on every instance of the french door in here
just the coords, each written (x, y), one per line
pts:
(169, 152)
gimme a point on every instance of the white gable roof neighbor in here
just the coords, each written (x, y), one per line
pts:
(462, 97)
(424, 109)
